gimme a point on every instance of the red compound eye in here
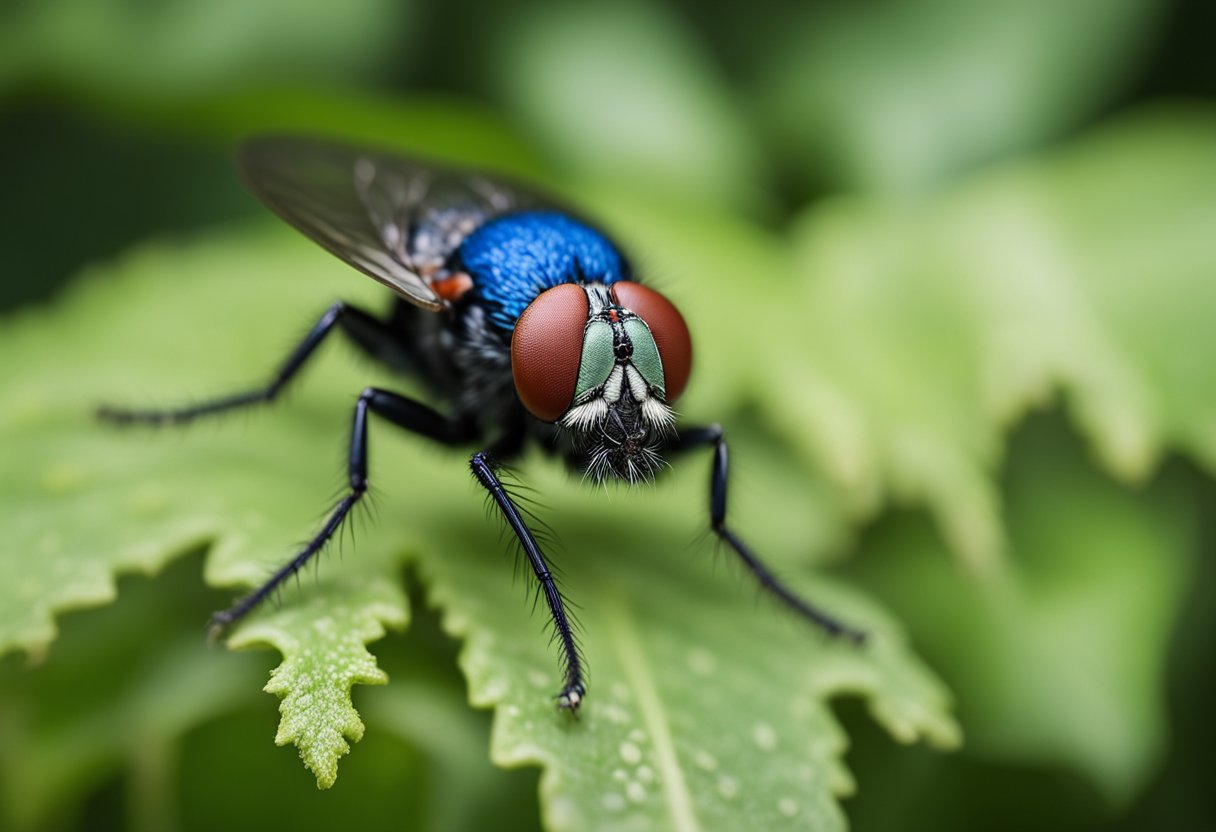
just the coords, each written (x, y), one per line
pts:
(546, 348)
(668, 328)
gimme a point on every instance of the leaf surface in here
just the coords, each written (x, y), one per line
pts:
(712, 710)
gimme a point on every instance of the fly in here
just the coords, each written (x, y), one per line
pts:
(524, 322)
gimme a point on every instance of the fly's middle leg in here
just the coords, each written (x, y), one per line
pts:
(575, 688)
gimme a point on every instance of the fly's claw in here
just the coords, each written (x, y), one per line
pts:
(218, 626)
(851, 634)
(571, 697)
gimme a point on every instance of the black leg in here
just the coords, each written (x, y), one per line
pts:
(363, 328)
(406, 413)
(572, 693)
(712, 435)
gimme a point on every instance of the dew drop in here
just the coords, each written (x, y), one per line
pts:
(630, 753)
(705, 760)
(765, 736)
(702, 662)
(562, 814)
(64, 478)
(613, 802)
(147, 503)
(635, 791)
(645, 774)
(728, 786)
(787, 807)
(613, 713)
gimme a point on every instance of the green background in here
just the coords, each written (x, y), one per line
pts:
(961, 272)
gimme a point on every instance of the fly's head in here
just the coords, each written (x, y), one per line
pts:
(604, 362)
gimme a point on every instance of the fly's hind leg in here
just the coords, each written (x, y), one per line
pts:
(367, 332)
(401, 411)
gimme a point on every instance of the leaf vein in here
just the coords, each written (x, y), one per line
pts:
(629, 650)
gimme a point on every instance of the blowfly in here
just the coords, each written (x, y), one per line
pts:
(526, 323)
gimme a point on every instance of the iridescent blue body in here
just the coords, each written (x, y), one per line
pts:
(513, 258)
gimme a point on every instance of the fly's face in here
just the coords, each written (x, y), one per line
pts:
(604, 362)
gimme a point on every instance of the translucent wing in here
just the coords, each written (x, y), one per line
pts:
(393, 218)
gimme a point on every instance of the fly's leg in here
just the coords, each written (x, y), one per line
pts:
(368, 332)
(713, 436)
(401, 411)
(575, 688)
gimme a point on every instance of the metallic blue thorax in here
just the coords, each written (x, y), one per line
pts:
(514, 258)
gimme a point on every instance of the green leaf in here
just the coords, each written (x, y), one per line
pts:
(1088, 277)
(712, 710)
(674, 648)
(322, 640)
(904, 96)
(468, 791)
(124, 686)
(924, 330)
(640, 101)
(441, 129)
(134, 699)
(176, 48)
(86, 477)
(1058, 659)
(908, 337)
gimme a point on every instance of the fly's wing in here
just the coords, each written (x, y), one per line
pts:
(393, 218)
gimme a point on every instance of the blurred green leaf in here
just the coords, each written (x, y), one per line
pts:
(708, 708)
(623, 91)
(467, 791)
(87, 482)
(1059, 659)
(439, 128)
(909, 337)
(179, 48)
(902, 96)
(134, 700)
(924, 331)
(1089, 274)
(123, 687)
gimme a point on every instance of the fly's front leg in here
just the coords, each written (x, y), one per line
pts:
(718, 476)
(575, 688)
(401, 411)
(368, 332)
